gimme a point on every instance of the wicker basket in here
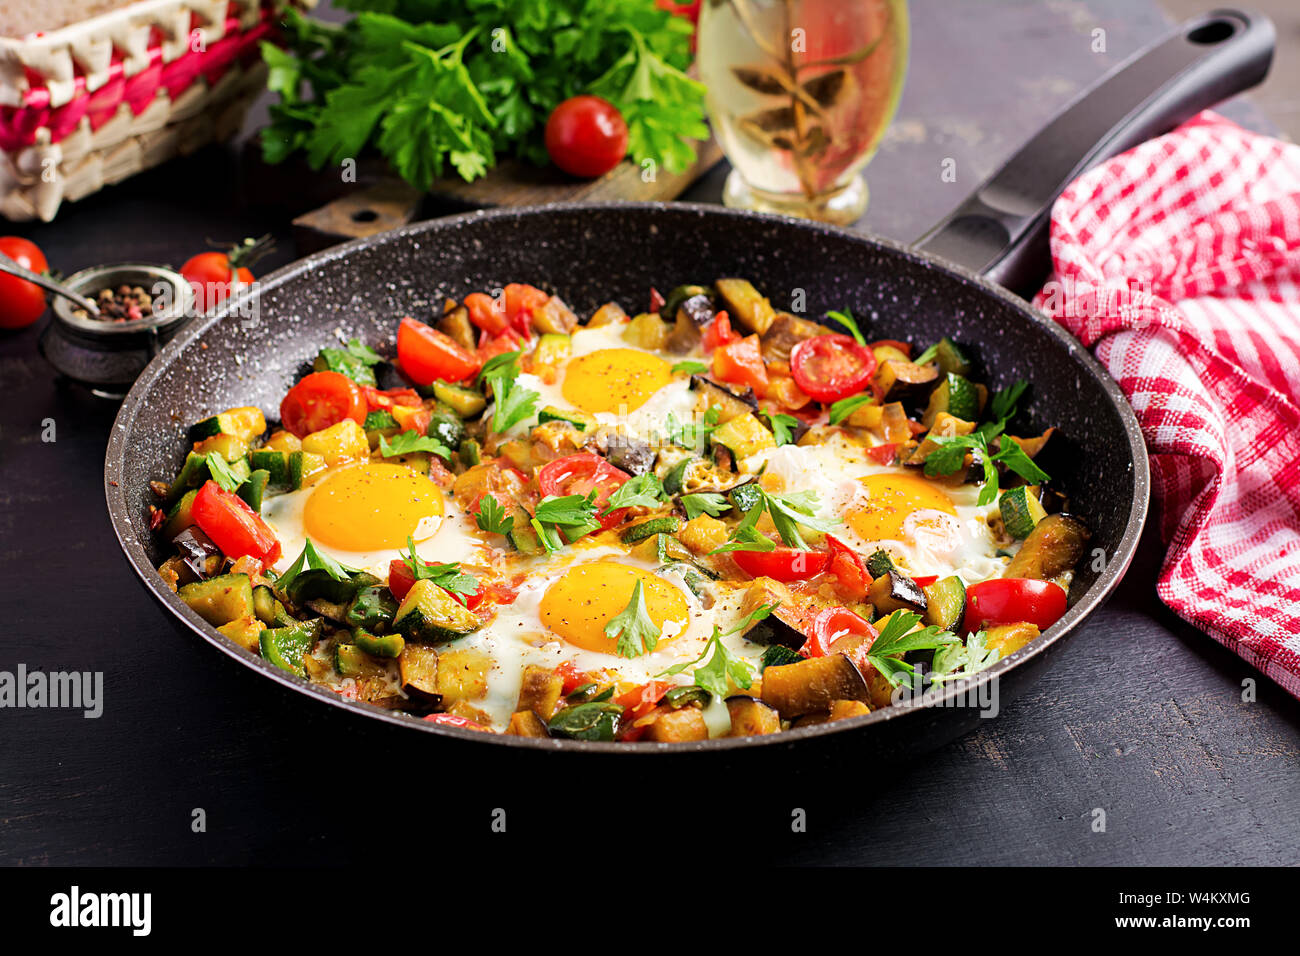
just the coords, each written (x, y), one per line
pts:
(95, 102)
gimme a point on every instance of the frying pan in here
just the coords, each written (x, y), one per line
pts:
(252, 350)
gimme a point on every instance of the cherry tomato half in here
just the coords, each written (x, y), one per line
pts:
(1013, 601)
(831, 367)
(580, 475)
(832, 631)
(320, 400)
(783, 564)
(21, 302)
(586, 136)
(233, 526)
(427, 355)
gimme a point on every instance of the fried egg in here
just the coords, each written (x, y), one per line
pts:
(362, 514)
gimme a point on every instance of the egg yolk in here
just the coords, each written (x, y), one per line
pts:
(614, 380)
(587, 597)
(374, 506)
(892, 498)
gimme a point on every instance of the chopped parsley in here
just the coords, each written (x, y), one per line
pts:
(492, 518)
(704, 503)
(407, 442)
(635, 631)
(783, 426)
(693, 434)
(449, 577)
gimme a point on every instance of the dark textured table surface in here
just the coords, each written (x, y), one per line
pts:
(1141, 717)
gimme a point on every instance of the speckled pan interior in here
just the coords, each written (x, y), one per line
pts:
(591, 254)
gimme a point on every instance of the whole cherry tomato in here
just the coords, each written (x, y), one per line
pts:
(586, 136)
(21, 302)
(215, 275)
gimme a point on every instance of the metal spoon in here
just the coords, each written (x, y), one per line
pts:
(45, 282)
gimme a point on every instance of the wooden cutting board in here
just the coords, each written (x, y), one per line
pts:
(389, 202)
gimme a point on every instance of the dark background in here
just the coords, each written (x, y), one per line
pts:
(1142, 716)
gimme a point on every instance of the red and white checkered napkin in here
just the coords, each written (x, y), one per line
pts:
(1180, 261)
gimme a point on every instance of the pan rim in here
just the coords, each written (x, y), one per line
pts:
(1101, 589)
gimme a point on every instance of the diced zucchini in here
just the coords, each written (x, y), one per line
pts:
(744, 435)
(372, 608)
(430, 614)
(945, 603)
(380, 421)
(445, 425)
(246, 423)
(955, 395)
(269, 610)
(669, 524)
(228, 447)
(246, 632)
(180, 517)
(879, 562)
(951, 359)
(465, 402)
(1021, 511)
(470, 452)
(254, 488)
(285, 647)
(337, 360)
(351, 661)
(647, 331)
(220, 600)
(379, 645)
(579, 420)
(746, 496)
(746, 305)
(552, 349)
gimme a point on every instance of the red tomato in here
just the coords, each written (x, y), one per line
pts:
(377, 401)
(521, 301)
(21, 302)
(400, 580)
(427, 355)
(831, 367)
(657, 300)
(639, 701)
(924, 580)
(1012, 601)
(213, 278)
(320, 400)
(741, 363)
(454, 720)
(586, 136)
(848, 569)
(783, 564)
(581, 474)
(718, 332)
(831, 625)
(492, 346)
(572, 677)
(233, 526)
(487, 313)
(883, 454)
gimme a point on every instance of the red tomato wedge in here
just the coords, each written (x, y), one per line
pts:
(427, 355)
(741, 363)
(833, 624)
(521, 301)
(848, 569)
(580, 475)
(233, 526)
(487, 313)
(831, 367)
(320, 400)
(1013, 601)
(783, 564)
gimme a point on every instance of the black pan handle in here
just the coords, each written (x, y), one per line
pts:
(1001, 230)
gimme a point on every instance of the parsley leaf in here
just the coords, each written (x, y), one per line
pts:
(898, 637)
(693, 434)
(404, 443)
(783, 426)
(969, 658)
(846, 319)
(789, 511)
(511, 405)
(635, 631)
(691, 367)
(312, 560)
(220, 471)
(704, 503)
(575, 515)
(449, 577)
(846, 406)
(492, 518)
(641, 491)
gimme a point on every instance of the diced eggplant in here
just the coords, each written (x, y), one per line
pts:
(689, 321)
(678, 726)
(782, 626)
(457, 325)
(1052, 548)
(554, 317)
(525, 723)
(388, 375)
(747, 307)
(634, 456)
(811, 686)
(540, 691)
(752, 718)
(418, 668)
(787, 331)
(200, 555)
(729, 403)
(893, 591)
(673, 302)
(898, 381)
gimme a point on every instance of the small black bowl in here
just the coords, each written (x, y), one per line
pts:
(105, 356)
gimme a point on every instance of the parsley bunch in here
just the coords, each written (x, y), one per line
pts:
(788, 512)
(432, 83)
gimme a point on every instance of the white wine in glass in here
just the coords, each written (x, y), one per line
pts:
(799, 93)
